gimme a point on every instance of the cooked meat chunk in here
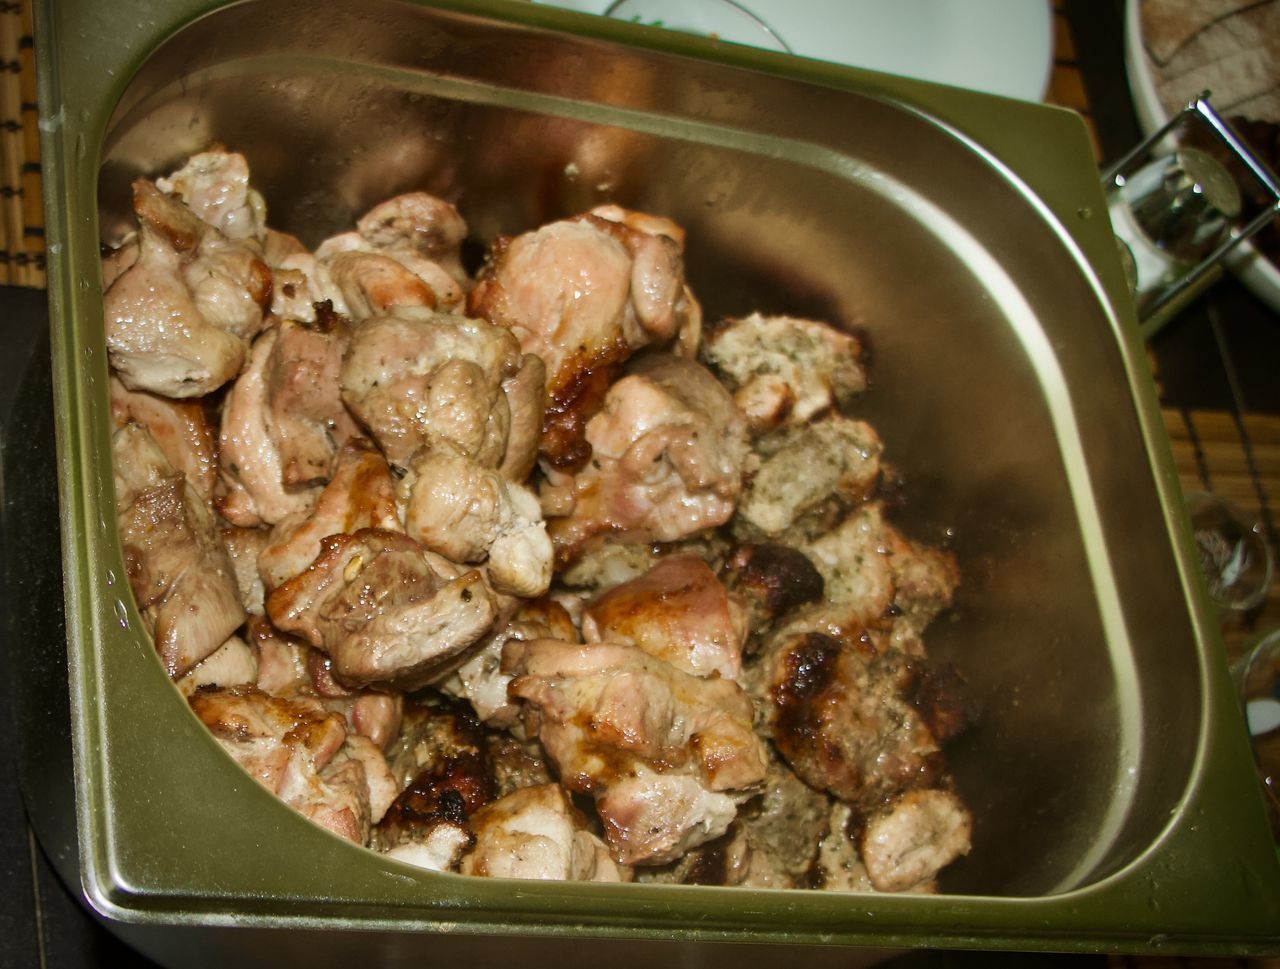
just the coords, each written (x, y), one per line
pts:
(609, 560)
(307, 420)
(291, 747)
(769, 580)
(234, 663)
(837, 712)
(535, 832)
(808, 477)
(868, 564)
(283, 661)
(527, 399)
(913, 838)
(785, 370)
(838, 866)
(584, 294)
(360, 495)
(725, 860)
(215, 186)
(440, 849)
(420, 223)
(440, 762)
(244, 545)
(667, 755)
(783, 829)
(384, 610)
(420, 379)
(669, 452)
(481, 679)
(677, 611)
(180, 318)
(181, 429)
(515, 763)
(462, 510)
(251, 485)
(179, 570)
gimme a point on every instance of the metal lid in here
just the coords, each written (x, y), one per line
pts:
(1189, 208)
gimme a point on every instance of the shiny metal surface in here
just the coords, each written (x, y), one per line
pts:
(962, 234)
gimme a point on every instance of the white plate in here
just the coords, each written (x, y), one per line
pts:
(1259, 274)
(997, 46)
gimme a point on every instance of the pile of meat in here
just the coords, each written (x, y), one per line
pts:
(526, 574)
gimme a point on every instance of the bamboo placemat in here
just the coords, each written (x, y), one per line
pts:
(21, 211)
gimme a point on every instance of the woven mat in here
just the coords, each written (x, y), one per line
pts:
(22, 221)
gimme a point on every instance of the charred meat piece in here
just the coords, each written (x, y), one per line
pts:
(440, 763)
(215, 186)
(181, 429)
(838, 713)
(421, 379)
(180, 318)
(179, 570)
(360, 495)
(535, 832)
(583, 294)
(769, 580)
(785, 370)
(666, 754)
(669, 452)
(384, 610)
(808, 477)
(677, 611)
(726, 860)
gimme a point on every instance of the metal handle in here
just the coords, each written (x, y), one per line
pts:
(1118, 174)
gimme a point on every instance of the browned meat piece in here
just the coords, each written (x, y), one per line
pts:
(440, 763)
(669, 452)
(609, 560)
(838, 711)
(283, 668)
(234, 663)
(514, 763)
(785, 370)
(421, 378)
(252, 490)
(481, 679)
(116, 261)
(244, 545)
(809, 476)
(584, 294)
(307, 419)
(361, 494)
(420, 223)
(769, 580)
(180, 318)
(370, 284)
(783, 829)
(181, 429)
(666, 754)
(870, 566)
(725, 860)
(913, 838)
(838, 866)
(462, 510)
(181, 576)
(535, 832)
(677, 611)
(291, 746)
(527, 398)
(384, 609)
